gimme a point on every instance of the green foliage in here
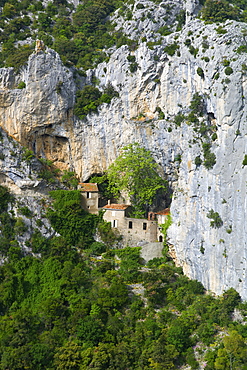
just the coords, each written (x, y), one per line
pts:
(245, 160)
(108, 235)
(178, 119)
(197, 104)
(216, 220)
(5, 198)
(133, 67)
(171, 49)
(130, 263)
(67, 310)
(200, 72)
(193, 51)
(20, 226)
(164, 30)
(21, 85)
(198, 161)
(221, 30)
(88, 99)
(219, 11)
(103, 185)
(228, 71)
(25, 211)
(70, 220)
(242, 49)
(209, 157)
(18, 56)
(135, 172)
(161, 114)
(69, 178)
(27, 155)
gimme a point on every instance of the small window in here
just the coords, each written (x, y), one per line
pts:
(144, 226)
(160, 238)
(88, 195)
(130, 224)
(114, 223)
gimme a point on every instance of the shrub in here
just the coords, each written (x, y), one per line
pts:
(242, 49)
(18, 56)
(214, 136)
(200, 72)
(164, 30)
(226, 63)
(5, 198)
(198, 161)
(245, 160)
(133, 67)
(25, 211)
(140, 6)
(193, 51)
(197, 104)
(131, 58)
(161, 114)
(20, 226)
(179, 118)
(216, 220)
(209, 158)
(27, 155)
(21, 85)
(87, 101)
(220, 30)
(171, 49)
(228, 71)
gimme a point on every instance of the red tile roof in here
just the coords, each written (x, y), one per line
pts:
(116, 206)
(164, 212)
(91, 187)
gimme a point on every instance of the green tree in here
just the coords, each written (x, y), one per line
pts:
(136, 173)
(68, 357)
(234, 354)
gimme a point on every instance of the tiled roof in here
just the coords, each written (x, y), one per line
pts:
(164, 212)
(90, 187)
(116, 206)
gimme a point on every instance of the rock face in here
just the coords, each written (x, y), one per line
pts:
(205, 60)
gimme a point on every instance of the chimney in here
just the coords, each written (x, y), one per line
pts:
(109, 202)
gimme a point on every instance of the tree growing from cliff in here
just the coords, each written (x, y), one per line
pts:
(136, 173)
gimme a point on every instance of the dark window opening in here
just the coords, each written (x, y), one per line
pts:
(144, 226)
(88, 195)
(160, 238)
(130, 224)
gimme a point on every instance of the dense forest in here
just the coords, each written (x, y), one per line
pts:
(71, 302)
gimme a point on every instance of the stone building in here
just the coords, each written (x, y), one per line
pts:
(135, 230)
(90, 197)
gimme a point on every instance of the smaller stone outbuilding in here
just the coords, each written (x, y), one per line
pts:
(161, 219)
(90, 197)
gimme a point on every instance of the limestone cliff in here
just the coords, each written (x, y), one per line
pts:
(40, 116)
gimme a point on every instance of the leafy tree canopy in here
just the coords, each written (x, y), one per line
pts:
(136, 173)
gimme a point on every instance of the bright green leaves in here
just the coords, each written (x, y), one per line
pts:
(88, 99)
(136, 173)
(70, 220)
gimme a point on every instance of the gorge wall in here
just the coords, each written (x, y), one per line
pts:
(40, 116)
